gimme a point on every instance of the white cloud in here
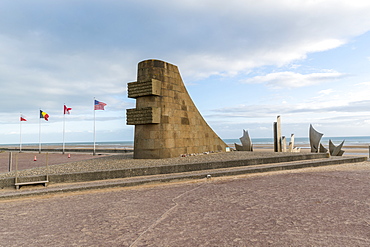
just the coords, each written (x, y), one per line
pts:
(250, 35)
(326, 91)
(363, 84)
(323, 45)
(290, 79)
(55, 52)
(323, 108)
(203, 37)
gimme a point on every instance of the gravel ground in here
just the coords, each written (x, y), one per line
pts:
(87, 162)
(26, 161)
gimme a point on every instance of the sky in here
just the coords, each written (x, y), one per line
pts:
(244, 62)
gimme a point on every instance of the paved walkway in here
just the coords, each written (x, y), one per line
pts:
(326, 206)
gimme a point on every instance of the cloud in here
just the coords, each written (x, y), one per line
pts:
(36, 78)
(67, 51)
(269, 111)
(203, 37)
(290, 79)
(249, 35)
(364, 83)
(326, 92)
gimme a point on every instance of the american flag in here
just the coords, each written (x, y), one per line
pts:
(98, 105)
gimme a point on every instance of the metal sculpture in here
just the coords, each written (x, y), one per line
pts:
(335, 150)
(291, 148)
(277, 135)
(322, 149)
(246, 143)
(315, 138)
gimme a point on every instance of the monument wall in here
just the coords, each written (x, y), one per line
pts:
(167, 122)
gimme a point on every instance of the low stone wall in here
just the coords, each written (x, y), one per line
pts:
(167, 169)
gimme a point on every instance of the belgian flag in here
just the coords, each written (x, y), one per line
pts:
(44, 115)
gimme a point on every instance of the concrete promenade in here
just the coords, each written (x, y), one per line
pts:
(322, 206)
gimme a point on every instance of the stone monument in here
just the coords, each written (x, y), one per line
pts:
(167, 123)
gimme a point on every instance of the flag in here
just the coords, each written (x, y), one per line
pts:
(23, 118)
(99, 105)
(66, 110)
(44, 115)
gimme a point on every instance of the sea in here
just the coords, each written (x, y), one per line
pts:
(348, 140)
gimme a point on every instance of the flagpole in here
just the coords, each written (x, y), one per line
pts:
(64, 127)
(20, 133)
(94, 128)
(40, 133)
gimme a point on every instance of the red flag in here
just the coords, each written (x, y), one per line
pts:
(99, 105)
(66, 110)
(23, 118)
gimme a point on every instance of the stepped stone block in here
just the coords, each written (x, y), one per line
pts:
(167, 122)
(146, 115)
(139, 89)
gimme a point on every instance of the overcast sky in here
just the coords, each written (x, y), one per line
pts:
(243, 62)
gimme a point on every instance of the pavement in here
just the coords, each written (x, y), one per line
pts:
(322, 206)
